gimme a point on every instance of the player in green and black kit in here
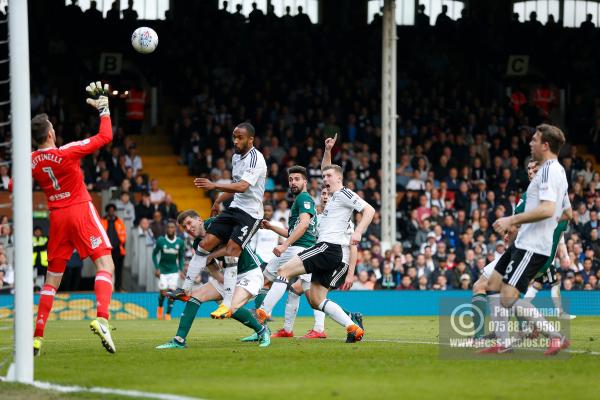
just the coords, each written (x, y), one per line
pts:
(249, 282)
(167, 269)
(301, 234)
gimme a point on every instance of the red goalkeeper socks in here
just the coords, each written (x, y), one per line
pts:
(44, 308)
(103, 288)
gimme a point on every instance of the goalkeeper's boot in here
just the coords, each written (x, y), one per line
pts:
(101, 328)
(172, 344)
(264, 338)
(354, 334)
(37, 345)
(177, 294)
(251, 338)
(262, 316)
(221, 312)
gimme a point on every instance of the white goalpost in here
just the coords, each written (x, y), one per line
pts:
(18, 36)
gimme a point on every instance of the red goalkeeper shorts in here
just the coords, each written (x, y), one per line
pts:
(76, 227)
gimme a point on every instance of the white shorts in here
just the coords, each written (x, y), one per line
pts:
(488, 269)
(276, 262)
(168, 281)
(252, 281)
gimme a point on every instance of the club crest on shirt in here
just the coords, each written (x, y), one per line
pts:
(95, 242)
(307, 205)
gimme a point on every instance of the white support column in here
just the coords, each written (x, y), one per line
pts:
(388, 126)
(22, 201)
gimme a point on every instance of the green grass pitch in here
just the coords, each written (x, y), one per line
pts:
(217, 366)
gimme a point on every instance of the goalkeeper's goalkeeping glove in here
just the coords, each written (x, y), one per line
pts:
(99, 97)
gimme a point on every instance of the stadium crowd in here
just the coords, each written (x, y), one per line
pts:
(461, 151)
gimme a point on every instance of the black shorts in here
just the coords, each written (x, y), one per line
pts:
(324, 262)
(550, 276)
(518, 267)
(234, 224)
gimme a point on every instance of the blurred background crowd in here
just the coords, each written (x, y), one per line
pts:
(463, 128)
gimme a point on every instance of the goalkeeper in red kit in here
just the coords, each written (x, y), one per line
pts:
(74, 221)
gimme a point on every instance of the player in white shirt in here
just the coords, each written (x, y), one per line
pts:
(302, 286)
(533, 245)
(265, 240)
(238, 223)
(324, 259)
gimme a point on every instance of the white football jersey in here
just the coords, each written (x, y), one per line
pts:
(333, 223)
(264, 241)
(550, 184)
(347, 236)
(250, 167)
(346, 247)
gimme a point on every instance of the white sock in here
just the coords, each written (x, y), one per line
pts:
(319, 321)
(291, 310)
(195, 267)
(336, 313)
(529, 312)
(531, 292)
(278, 289)
(229, 282)
(499, 317)
(555, 293)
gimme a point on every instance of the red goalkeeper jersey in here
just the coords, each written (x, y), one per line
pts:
(58, 171)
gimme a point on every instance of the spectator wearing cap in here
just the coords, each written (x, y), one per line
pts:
(117, 234)
(500, 248)
(465, 282)
(431, 243)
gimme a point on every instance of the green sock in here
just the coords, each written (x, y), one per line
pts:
(187, 317)
(161, 298)
(170, 306)
(258, 300)
(246, 318)
(479, 302)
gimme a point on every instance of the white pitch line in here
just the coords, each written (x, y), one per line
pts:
(105, 390)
